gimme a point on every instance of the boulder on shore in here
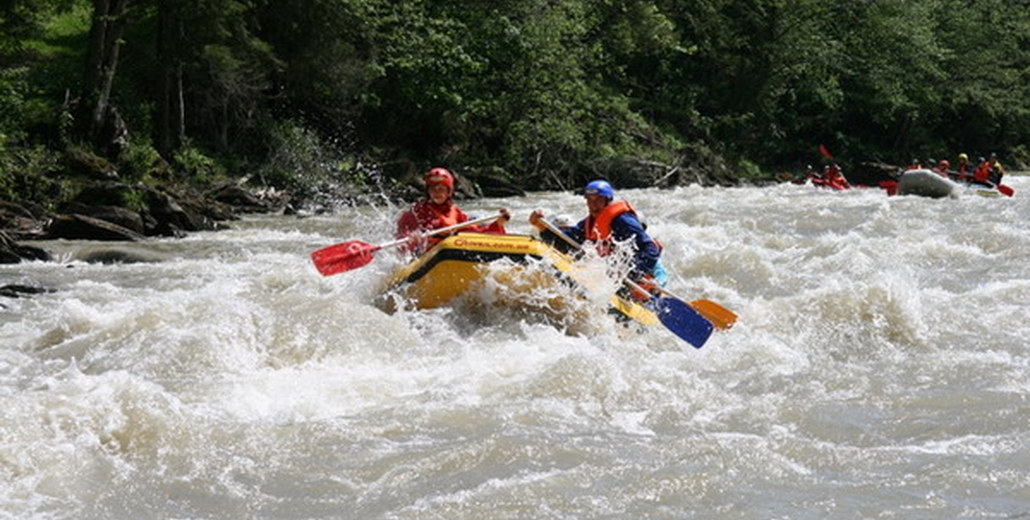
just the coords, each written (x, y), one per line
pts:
(11, 252)
(81, 227)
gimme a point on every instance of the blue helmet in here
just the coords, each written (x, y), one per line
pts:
(601, 188)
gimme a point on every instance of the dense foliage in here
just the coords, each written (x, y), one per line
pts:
(301, 93)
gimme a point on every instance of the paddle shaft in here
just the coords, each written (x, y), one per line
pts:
(676, 315)
(557, 231)
(721, 317)
(354, 254)
(455, 227)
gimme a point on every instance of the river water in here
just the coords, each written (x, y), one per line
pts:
(880, 369)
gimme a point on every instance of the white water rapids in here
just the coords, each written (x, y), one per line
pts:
(880, 368)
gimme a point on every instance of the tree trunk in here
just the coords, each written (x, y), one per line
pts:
(105, 39)
(171, 117)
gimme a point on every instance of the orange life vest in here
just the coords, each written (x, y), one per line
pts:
(982, 172)
(435, 216)
(599, 230)
(425, 216)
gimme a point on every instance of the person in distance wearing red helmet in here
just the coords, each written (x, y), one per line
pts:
(437, 210)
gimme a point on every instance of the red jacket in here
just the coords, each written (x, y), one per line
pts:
(833, 178)
(425, 216)
(982, 172)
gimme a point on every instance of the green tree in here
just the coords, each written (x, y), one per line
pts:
(96, 112)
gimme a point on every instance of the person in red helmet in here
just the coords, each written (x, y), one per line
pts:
(834, 178)
(437, 210)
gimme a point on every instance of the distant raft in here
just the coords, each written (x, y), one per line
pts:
(927, 183)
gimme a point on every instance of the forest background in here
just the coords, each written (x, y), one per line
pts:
(311, 96)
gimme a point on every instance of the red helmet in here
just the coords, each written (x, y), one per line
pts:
(439, 176)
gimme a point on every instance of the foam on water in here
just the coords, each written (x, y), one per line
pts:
(879, 368)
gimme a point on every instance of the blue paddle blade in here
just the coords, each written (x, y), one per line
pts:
(683, 321)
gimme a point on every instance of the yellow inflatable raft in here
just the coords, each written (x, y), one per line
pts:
(499, 269)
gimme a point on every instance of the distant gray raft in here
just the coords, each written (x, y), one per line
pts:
(927, 183)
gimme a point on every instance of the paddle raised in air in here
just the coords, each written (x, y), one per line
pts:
(676, 315)
(353, 254)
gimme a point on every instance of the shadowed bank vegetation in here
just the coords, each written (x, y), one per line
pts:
(318, 96)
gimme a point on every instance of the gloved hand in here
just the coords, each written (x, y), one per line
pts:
(645, 282)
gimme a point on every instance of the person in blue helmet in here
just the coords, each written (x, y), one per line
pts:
(611, 222)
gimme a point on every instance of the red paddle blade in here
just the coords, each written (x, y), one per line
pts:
(343, 257)
(1006, 190)
(825, 152)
